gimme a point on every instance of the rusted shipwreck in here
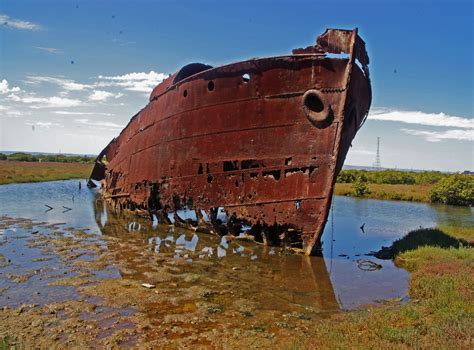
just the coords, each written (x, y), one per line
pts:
(262, 140)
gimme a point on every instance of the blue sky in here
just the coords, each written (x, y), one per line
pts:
(72, 73)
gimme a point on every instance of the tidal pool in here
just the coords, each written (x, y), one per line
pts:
(81, 252)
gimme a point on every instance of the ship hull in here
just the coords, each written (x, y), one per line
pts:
(263, 139)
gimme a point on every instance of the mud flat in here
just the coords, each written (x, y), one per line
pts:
(75, 288)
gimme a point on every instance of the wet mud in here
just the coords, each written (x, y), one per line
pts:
(66, 287)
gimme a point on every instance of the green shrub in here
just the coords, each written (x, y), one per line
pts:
(3, 156)
(345, 176)
(359, 187)
(454, 190)
(393, 177)
(429, 177)
(349, 176)
(22, 157)
(60, 158)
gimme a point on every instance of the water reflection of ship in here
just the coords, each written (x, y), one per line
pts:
(275, 281)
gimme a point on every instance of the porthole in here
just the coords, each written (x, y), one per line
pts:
(210, 85)
(315, 107)
(313, 103)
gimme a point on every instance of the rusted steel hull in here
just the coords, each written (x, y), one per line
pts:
(264, 139)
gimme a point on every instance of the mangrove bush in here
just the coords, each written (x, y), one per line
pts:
(455, 189)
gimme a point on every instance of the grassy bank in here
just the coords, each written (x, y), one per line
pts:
(19, 171)
(426, 186)
(416, 193)
(440, 313)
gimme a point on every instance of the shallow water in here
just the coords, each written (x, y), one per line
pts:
(274, 280)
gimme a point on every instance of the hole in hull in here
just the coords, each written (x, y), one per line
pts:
(210, 85)
(314, 103)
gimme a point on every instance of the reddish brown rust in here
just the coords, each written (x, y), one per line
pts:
(263, 138)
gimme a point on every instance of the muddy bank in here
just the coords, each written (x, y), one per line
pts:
(71, 287)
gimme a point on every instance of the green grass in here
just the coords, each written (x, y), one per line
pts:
(5, 343)
(431, 237)
(18, 172)
(464, 233)
(440, 314)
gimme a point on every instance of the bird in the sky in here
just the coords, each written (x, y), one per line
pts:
(362, 227)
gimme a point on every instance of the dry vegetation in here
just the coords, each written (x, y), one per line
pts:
(416, 193)
(18, 171)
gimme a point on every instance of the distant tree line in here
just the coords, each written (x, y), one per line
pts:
(61, 158)
(453, 189)
(392, 177)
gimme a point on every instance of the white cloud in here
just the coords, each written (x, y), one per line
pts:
(66, 84)
(99, 123)
(464, 126)
(136, 81)
(73, 86)
(15, 114)
(100, 95)
(45, 102)
(436, 136)
(7, 111)
(45, 125)
(4, 87)
(14, 23)
(422, 118)
(362, 152)
(83, 113)
(49, 49)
